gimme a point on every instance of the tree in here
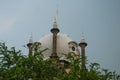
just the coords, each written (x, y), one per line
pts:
(16, 66)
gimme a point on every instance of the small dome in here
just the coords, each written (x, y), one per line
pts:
(63, 46)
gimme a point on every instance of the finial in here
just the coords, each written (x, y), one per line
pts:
(57, 12)
(83, 38)
(31, 39)
(55, 25)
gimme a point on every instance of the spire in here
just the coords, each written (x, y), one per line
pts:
(31, 39)
(83, 38)
(55, 25)
(30, 45)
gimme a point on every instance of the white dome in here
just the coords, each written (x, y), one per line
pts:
(62, 45)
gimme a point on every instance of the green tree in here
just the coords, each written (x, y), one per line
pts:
(16, 66)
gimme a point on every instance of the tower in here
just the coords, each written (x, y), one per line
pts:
(30, 45)
(83, 44)
(54, 30)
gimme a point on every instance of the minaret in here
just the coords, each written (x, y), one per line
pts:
(83, 44)
(30, 45)
(54, 30)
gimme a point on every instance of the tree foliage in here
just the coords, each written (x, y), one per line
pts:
(16, 66)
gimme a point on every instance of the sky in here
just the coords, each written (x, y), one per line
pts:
(99, 20)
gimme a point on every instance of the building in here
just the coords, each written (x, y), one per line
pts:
(58, 45)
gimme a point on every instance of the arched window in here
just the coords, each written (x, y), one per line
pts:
(73, 48)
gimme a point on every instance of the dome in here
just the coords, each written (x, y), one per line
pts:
(64, 45)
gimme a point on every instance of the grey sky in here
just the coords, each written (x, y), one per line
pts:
(98, 19)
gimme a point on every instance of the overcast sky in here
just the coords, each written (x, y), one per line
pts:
(98, 19)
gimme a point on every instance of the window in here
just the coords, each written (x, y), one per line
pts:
(73, 48)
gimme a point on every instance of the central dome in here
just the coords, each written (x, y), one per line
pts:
(64, 45)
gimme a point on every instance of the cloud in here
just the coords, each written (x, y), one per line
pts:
(6, 24)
